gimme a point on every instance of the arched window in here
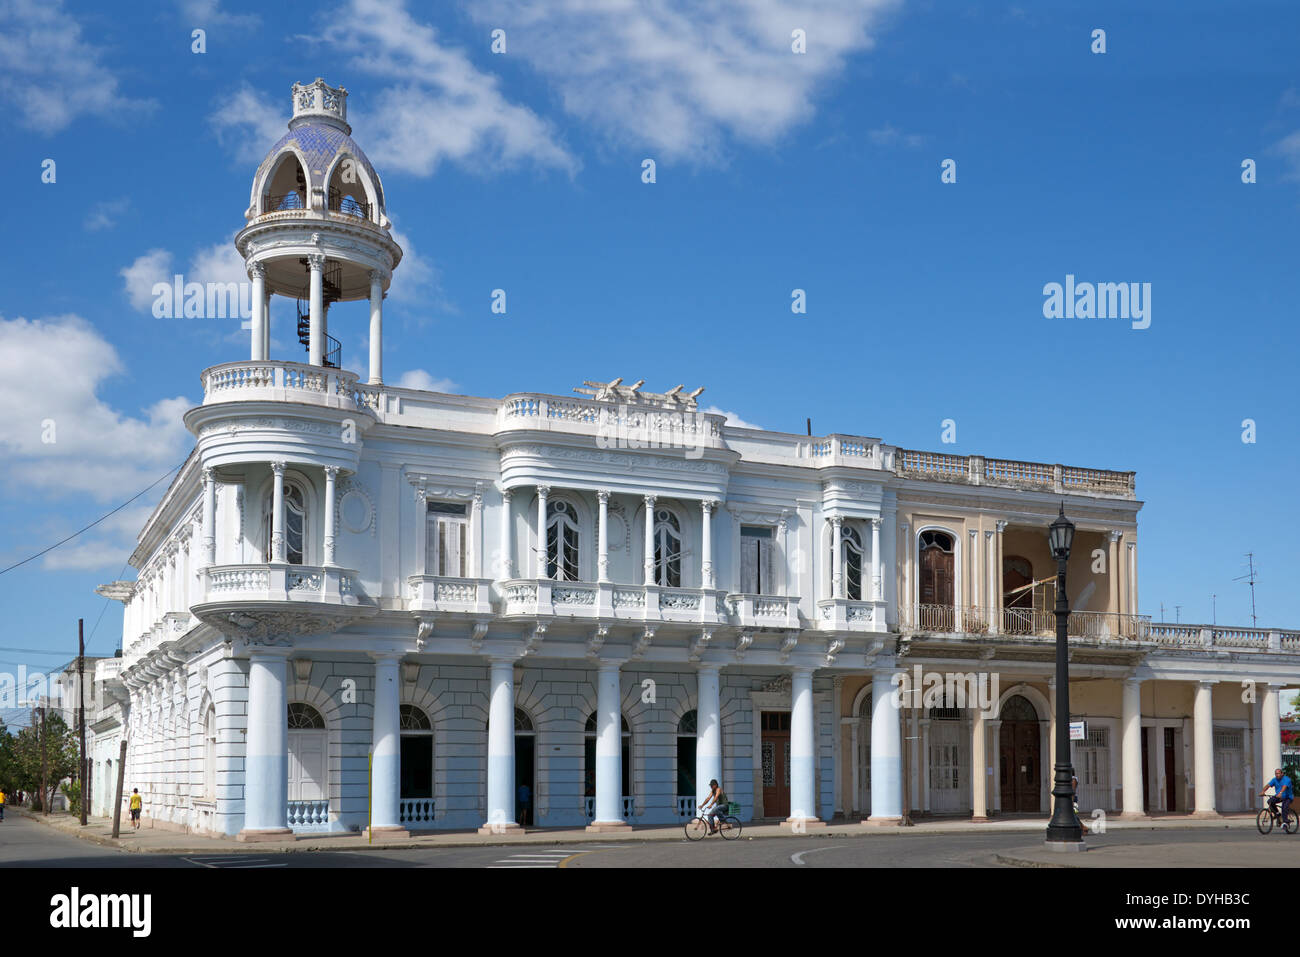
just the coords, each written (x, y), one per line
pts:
(937, 566)
(286, 187)
(347, 191)
(864, 755)
(668, 549)
(562, 541)
(295, 523)
(525, 760)
(416, 754)
(589, 731)
(687, 729)
(210, 754)
(303, 717)
(851, 562)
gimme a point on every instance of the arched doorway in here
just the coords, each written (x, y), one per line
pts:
(1019, 758)
(308, 764)
(416, 775)
(937, 572)
(525, 759)
(864, 756)
(687, 796)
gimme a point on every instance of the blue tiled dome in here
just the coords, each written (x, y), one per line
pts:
(320, 144)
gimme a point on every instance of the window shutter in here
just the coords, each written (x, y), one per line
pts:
(749, 549)
(765, 567)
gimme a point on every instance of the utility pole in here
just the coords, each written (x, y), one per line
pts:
(81, 714)
(121, 780)
(1214, 609)
(1178, 614)
(45, 790)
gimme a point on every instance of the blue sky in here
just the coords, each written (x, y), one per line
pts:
(775, 171)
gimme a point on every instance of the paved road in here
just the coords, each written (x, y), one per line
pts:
(28, 843)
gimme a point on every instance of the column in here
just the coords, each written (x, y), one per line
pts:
(997, 576)
(803, 753)
(501, 749)
(877, 573)
(886, 753)
(376, 327)
(925, 767)
(507, 567)
(979, 763)
(609, 751)
(257, 272)
(1131, 748)
(1112, 569)
(905, 610)
(1270, 730)
(475, 557)
(542, 492)
(995, 779)
(266, 763)
(331, 473)
(708, 733)
(1203, 744)
(602, 537)
(1132, 578)
(990, 584)
(209, 517)
(706, 565)
(650, 540)
(837, 556)
(266, 325)
(316, 347)
(277, 513)
(386, 751)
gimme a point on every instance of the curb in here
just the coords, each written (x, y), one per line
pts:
(328, 844)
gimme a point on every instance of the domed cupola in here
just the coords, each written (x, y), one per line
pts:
(318, 231)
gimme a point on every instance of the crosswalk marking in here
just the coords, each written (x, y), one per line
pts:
(546, 857)
(234, 862)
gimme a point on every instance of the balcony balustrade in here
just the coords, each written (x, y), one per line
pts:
(441, 594)
(765, 611)
(1025, 623)
(846, 614)
(327, 584)
(980, 470)
(415, 812)
(271, 381)
(609, 601)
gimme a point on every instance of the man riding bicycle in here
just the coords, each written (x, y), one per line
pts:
(1282, 793)
(718, 799)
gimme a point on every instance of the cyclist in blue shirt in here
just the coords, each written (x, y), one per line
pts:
(1281, 785)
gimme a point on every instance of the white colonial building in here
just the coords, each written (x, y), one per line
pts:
(360, 605)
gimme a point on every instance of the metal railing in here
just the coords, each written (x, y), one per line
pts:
(1026, 622)
(347, 204)
(283, 201)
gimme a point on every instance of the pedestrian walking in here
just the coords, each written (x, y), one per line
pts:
(137, 805)
(3, 798)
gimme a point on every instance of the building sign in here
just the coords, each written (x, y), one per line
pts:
(1078, 731)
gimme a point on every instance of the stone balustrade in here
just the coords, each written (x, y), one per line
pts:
(266, 380)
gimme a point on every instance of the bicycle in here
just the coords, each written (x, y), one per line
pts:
(1269, 817)
(729, 827)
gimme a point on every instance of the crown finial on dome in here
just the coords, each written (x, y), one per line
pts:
(318, 102)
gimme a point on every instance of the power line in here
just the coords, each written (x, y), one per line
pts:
(92, 524)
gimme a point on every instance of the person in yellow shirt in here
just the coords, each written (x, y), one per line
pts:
(137, 804)
(3, 798)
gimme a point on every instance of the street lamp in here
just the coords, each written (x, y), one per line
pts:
(1064, 831)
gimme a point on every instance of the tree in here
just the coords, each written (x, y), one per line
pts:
(8, 761)
(48, 745)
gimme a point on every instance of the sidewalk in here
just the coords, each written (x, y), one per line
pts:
(161, 841)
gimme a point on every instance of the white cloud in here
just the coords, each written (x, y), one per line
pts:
(438, 108)
(732, 418)
(1289, 149)
(682, 76)
(109, 544)
(206, 13)
(51, 371)
(419, 379)
(889, 135)
(103, 215)
(218, 263)
(139, 277)
(248, 123)
(49, 74)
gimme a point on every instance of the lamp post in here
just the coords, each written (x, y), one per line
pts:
(1064, 831)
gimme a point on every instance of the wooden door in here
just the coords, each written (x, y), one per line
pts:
(776, 763)
(1020, 747)
(1171, 802)
(936, 576)
(306, 765)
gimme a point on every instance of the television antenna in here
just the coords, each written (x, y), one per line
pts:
(1250, 579)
